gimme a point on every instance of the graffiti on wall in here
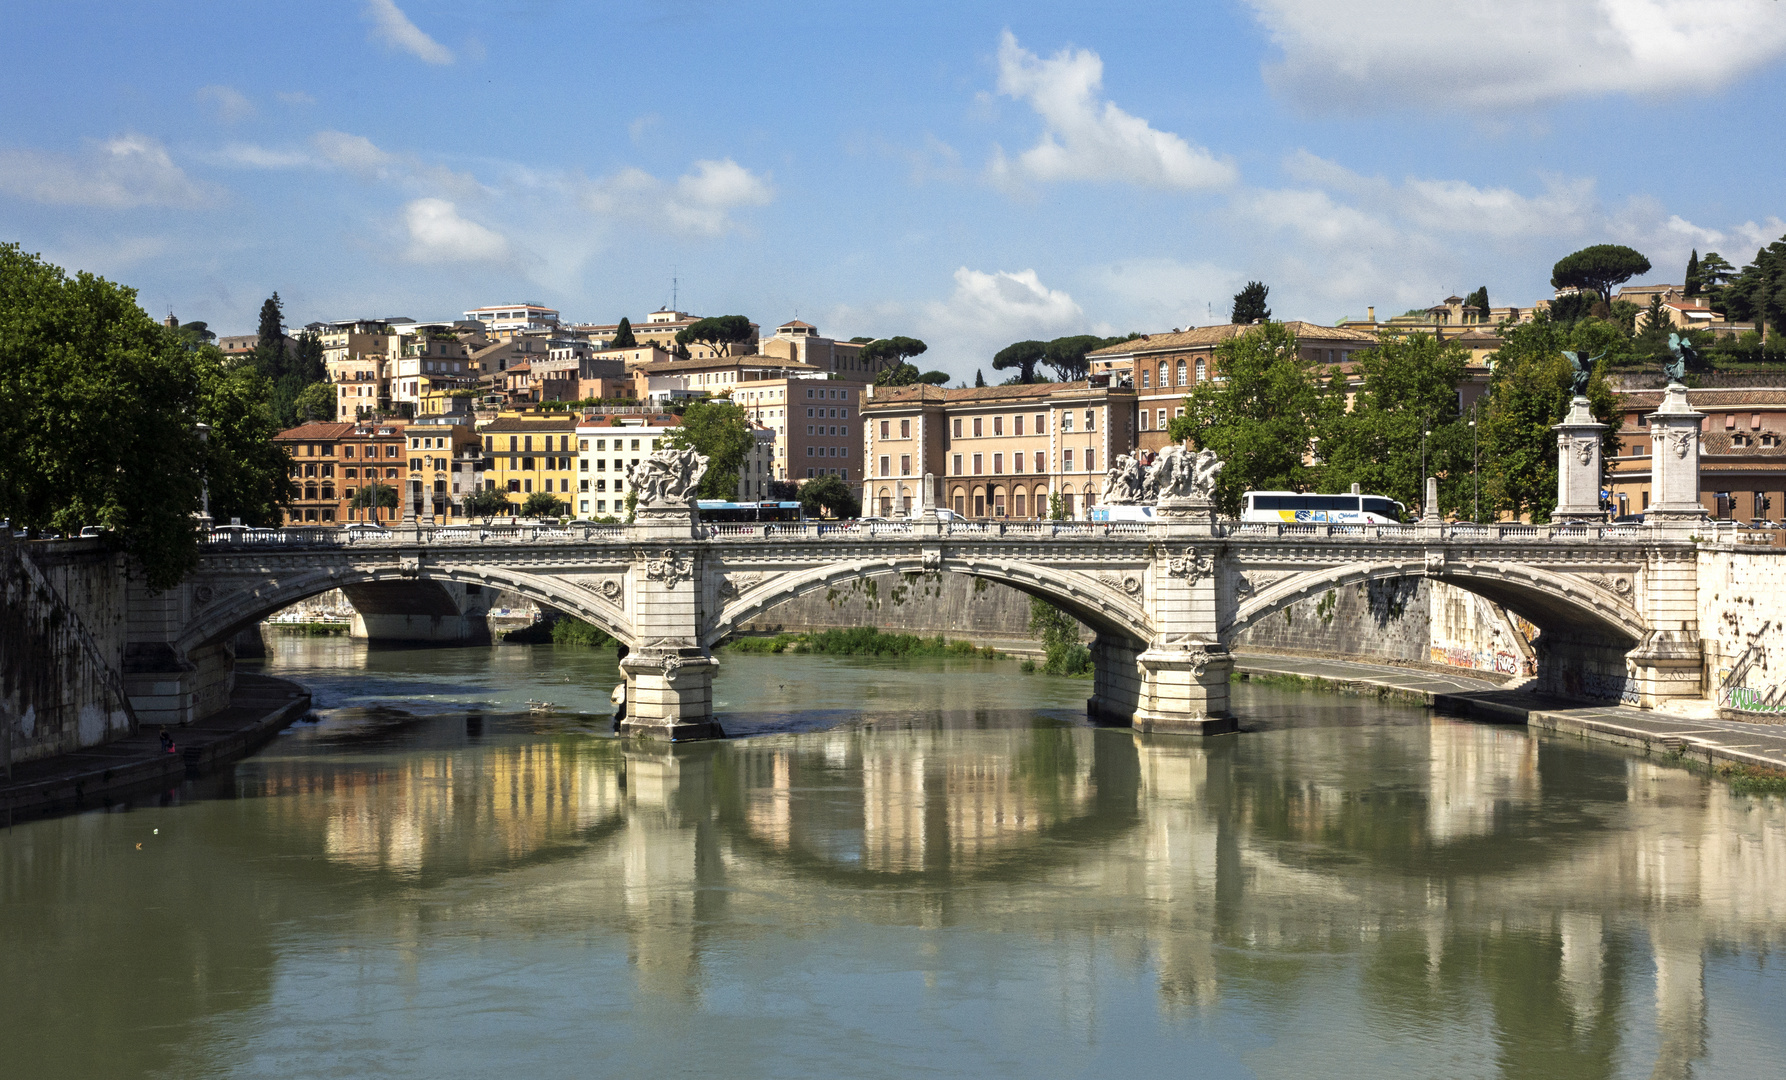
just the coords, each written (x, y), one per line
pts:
(1497, 660)
(1736, 683)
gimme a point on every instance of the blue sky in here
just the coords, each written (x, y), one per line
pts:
(968, 174)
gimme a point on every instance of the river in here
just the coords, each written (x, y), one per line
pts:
(894, 868)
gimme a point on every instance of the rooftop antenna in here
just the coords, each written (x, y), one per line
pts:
(675, 286)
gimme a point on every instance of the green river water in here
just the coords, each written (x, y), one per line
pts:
(893, 869)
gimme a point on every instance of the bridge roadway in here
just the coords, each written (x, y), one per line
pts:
(1617, 605)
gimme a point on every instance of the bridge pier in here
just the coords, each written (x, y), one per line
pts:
(670, 695)
(1184, 690)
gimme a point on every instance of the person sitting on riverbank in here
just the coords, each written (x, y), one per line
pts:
(167, 742)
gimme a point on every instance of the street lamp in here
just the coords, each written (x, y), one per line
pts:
(1424, 432)
(1475, 485)
(204, 439)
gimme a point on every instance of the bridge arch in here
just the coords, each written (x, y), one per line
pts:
(233, 610)
(1554, 602)
(1107, 608)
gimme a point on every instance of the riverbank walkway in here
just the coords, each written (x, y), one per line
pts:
(258, 709)
(1698, 738)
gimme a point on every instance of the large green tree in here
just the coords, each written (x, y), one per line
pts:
(541, 504)
(487, 503)
(1249, 304)
(1598, 269)
(1758, 292)
(1066, 355)
(721, 430)
(1022, 355)
(1695, 282)
(315, 402)
(901, 375)
(1261, 418)
(721, 333)
(890, 352)
(1407, 388)
(98, 407)
(623, 335)
(831, 496)
(1530, 391)
(246, 472)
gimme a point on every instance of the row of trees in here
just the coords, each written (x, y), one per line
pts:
(100, 414)
(1275, 413)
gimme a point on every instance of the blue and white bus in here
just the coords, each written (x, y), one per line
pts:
(719, 510)
(1292, 506)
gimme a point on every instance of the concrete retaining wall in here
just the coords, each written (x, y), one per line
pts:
(1742, 628)
(63, 612)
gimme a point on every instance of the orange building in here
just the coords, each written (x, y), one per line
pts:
(331, 462)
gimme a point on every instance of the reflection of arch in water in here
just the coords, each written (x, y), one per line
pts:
(988, 803)
(1104, 607)
(236, 610)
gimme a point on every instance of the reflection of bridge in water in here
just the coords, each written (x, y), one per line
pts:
(1457, 862)
(1617, 606)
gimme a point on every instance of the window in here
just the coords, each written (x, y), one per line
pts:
(956, 465)
(1066, 421)
(1017, 425)
(905, 429)
(809, 449)
(978, 466)
(1163, 383)
(887, 471)
(1091, 420)
(1144, 377)
(1019, 501)
(905, 464)
(1181, 373)
(1162, 424)
(1091, 465)
(1178, 411)
(979, 504)
(1145, 416)
(809, 396)
(1017, 467)
(1066, 460)
(1202, 372)
(1041, 424)
(809, 417)
(955, 428)
(998, 425)
(977, 430)
(886, 424)
(998, 464)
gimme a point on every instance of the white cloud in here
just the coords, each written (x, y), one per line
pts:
(438, 234)
(394, 28)
(698, 203)
(125, 171)
(355, 153)
(1153, 293)
(295, 97)
(1088, 138)
(229, 103)
(1515, 53)
(251, 156)
(988, 311)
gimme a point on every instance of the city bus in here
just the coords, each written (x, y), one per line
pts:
(1291, 506)
(720, 511)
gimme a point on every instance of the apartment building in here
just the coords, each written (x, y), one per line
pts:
(1742, 452)
(659, 329)
(995, 451)
(504, 320)
(331, 462)
(446, 463)
(608, 446)
(816, 423)
(526, 453)
(1163, 368)
(802, 343)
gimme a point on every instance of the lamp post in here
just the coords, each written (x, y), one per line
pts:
(204, 439)
(1475, 460)
(1424, 432)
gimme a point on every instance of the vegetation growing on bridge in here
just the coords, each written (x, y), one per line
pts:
(1063, 653)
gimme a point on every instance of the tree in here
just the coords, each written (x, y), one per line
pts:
(98, 407)
(487, 503)
(901, 375)
(1408, 386)
(883, 353)
(272, 325)
(1249, 304)
(623, 335)
(542, 504)
(1261, 419)
(1598, 269)
(719, 333)
(934, 378)
(315, 402)
(979, 378)
(1066, 355)
(1022, 355)
(1758, 293)
(1714, 272)
(1529, 392)
(1695, 284)
(197, 333)
(830, 496)
(721, 430)
(1478, 302)
(247, 474)
(1572, 306)
(376, 494)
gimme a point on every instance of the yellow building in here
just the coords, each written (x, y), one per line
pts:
(524, 454)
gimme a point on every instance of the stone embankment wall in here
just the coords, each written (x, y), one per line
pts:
(1742, 628)
(954, 605)
(63, 622)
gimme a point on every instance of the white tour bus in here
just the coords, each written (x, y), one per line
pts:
(1291, 506)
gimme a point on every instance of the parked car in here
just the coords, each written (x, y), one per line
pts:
(1628, 519)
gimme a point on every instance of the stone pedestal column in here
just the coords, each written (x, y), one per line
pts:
(1184, 689)
(1578, 463)
(1674, 460)
(669, 675)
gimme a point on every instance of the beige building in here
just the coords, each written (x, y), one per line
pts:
(660, 329)
(995, 451)
(1742, 455)
(802, 343)
(816, 423)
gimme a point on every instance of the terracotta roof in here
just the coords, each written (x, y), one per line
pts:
(1761, 398)
(556, 425)
(942, 395)
(796, 322)
(316, 431)
(1205, 336)
(720, 363)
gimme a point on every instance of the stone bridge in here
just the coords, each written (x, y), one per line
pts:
(1617, 605)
